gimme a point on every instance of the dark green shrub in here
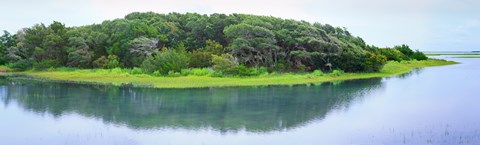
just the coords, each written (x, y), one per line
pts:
(405, 49)
(200, 59)
(45, 64)
(419, 55)
(22, 64)
(166, 60)
(112, 61)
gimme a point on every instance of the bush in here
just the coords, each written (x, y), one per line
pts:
(336, 72)
(405, 49)
(22, 64)
(202, 72)
(393, 54)
(165, 61)
(317, 73)
(374, 62)
(156, 73)
(45, 64)
(174, 74)
(112, 61)
(419, 55)
(225, 63)
(136, 71)
(201, 59)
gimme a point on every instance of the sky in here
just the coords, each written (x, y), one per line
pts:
(426, 25)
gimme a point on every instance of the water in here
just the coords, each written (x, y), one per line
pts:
(436, 105)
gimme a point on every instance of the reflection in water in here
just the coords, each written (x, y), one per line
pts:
(254, 109)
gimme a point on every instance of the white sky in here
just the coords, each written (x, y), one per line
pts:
(422, 24)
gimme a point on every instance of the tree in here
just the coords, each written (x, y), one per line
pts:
(166, 60)
(419, 55)
(79, 54)
(253, 45)
(142, 47)
(225, 63)
(6, 41)
(405, 49)
(112, 61)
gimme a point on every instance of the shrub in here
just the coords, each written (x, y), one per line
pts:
(393, 54)
(337, 72)
(173, 74)
(22, 64)
(166, 60)
(374, 62)
(419, 55)
(112, 61)
(202, 72)
(405, 49)
(317, 73)
(201, 59)
(225, 63)
(136, 71)
(156, 73)
(45, 64)
(245, 71)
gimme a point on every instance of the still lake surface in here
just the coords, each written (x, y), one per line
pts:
(436, 105)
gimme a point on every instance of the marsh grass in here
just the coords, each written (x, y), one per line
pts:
(204, 77)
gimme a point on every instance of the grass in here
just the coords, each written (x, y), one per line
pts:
(118, 77)
(4, 69)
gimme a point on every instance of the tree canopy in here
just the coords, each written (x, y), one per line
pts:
(146, 39)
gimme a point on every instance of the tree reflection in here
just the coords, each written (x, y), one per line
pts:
(255, 109)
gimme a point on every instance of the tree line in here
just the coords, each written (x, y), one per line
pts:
(231, 44)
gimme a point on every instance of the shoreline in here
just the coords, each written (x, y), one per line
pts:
(86, 76)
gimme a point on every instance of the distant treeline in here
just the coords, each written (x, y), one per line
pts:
(230, 44)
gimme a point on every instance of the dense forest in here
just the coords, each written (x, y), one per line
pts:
(236, 44)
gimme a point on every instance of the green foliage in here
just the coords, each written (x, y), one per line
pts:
(166, 60)
(213, 47)
(419, 55)
(22, 64)
(317, 73)
(173, 74)
(405, 49)
(252, 45)
(136, 71)
(393, 54)
(199, 59)
(225, 63)
(252, 42)
(79, 54)
(337, 72)
(374, 62)
(112, 61)
(45, 64)
(197, 72)
(6, 41)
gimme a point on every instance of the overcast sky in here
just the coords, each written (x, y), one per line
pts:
(423, 24)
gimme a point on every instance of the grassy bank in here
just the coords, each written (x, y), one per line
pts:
(4, 69)
(119, 78)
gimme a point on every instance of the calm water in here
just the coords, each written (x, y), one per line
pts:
(437, 105)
